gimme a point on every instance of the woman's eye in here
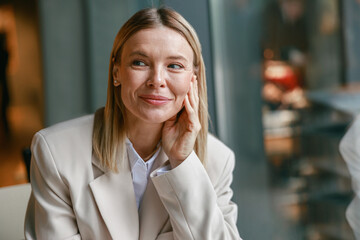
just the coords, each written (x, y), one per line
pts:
(175, 66)
(138, 63)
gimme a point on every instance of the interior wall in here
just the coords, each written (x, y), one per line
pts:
(62, 33)
(236, 29)
(352, 38)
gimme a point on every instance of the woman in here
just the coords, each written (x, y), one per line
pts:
(144, 167)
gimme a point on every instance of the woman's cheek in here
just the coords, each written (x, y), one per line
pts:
(180, 88)
(184, 93)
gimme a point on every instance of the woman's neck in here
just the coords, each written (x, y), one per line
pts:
(143, 136)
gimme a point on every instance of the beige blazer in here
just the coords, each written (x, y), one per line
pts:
(73, 197)
(350, 150)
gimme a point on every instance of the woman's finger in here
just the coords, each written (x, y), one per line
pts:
(196, 91)
(189, 109)
(193, 94)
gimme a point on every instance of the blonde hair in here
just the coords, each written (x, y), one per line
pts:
(109, 125)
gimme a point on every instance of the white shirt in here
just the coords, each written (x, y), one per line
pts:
(140, 170)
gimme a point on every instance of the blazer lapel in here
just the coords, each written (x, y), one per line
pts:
(152, 213)
(115, 198)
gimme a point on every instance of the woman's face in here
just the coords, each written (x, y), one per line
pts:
(154, 73)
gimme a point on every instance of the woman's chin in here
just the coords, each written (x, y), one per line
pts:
(157, 119)
(158, 116)
(151, 116)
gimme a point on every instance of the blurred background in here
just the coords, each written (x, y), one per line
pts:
(283, 84)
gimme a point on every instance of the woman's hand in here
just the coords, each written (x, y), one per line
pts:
(180, 132)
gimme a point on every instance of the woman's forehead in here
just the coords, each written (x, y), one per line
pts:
(159, 39)
(158, 34)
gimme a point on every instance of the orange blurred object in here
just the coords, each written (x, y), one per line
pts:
(281, 74)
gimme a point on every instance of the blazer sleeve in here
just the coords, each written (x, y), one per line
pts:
(197, 208)
(49, 213)
(350, 150)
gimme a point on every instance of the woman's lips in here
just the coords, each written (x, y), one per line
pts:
(155, 99)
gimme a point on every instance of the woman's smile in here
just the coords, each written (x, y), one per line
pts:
(156, 100)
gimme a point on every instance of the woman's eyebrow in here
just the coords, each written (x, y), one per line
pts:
(135, 53)
(172, 57)
(178, 57)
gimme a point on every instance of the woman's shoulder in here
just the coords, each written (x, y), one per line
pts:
(220, 159)
(82, 124)
(217, 147)
(66, 138)
(67, 146)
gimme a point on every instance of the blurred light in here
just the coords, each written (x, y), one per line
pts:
(276, 72)
(281, 73)
(269, 54)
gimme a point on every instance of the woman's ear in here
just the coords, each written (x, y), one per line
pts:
(116, 76)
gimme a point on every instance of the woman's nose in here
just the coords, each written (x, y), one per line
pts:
(156, 79)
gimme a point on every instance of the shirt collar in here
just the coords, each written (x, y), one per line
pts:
(134, 156)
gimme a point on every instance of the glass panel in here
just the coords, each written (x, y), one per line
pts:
(282, 62)
(302, 64)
